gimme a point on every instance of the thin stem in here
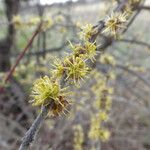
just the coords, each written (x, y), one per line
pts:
(30, 134)
(133, 73)
(10, 73)
(144, 7)
(22, 54)
(134, 42)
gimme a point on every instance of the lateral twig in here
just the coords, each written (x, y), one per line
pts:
(134, 42)
(10, 73)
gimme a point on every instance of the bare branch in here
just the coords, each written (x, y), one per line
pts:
(134, 73)
(30, 134)
(144, 7)
(134, 42)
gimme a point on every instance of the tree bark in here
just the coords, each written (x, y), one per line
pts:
(11, 8)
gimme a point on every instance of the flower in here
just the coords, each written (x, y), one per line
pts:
(17, 21)
(94, 129)
(47, 23)
(87, 51)
(96, 132)
(46, 92)
(128, 9)
(78, 137)
(134, 1)
(75, 68)
(107, 59)
(87, 32)
(33, 21)
(114, 22)
(59, 19)
(77, 49)
(90, 50)
(133, 4)
(59, 69)
(104, 135)
(103, 116)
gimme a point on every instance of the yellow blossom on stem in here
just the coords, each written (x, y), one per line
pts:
(87, 32)
(59, 69)
(47, 92)
(104, 135)
(87, 51)
(78, 137)
(33, 21)
(75, 68)
(102, 116)
(128, 9)
(96, 132)
(115, 22)
(90, 50)
(46, 23)
(133, 2)
(107, 59)
(17, 21)
(94, 129)
(59, 18)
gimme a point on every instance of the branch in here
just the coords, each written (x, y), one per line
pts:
(22, 53)
(56, 49)
(134, 73)
(10, 73)
(125, 68)
(134, 41)
(30, 134)
(144, 7)
(131, 21)
(133, 18)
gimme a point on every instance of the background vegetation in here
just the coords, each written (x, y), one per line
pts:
(126, 66)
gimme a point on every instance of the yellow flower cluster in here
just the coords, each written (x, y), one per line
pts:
(90, 50)
(135, 68)
(102, 92)
(78, 137)
(96, 131)
(23, 72)
(20, 23)
(107, 59)
(87, 51)
(46, 92)
(134, 1)
(17, 21)
(103, 105)
(74, 68)
(47, 22)
(86, 32)
(59, 18)
(130, 6)
(59, 68)
(115, 22)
